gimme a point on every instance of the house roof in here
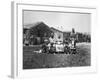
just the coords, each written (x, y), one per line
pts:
(55, 30)
(32, 24)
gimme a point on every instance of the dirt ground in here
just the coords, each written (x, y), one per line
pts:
(33, 60)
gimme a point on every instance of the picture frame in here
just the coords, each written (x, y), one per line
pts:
(17, 70)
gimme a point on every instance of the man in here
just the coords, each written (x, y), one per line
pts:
(52, 43)
(45, 43)
(51, 39)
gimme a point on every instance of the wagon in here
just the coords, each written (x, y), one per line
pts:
(59, 47)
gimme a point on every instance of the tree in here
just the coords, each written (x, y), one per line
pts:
(40, 30)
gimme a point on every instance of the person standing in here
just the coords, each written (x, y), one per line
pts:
(73, 38)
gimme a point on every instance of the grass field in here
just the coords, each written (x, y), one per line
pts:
(33, 60)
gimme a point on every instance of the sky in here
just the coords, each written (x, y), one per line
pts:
(63, 21)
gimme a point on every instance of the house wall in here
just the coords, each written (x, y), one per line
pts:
(57, 34)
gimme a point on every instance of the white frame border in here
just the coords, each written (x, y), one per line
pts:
(16, 66)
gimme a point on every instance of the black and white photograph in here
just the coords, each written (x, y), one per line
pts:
(56, 39)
